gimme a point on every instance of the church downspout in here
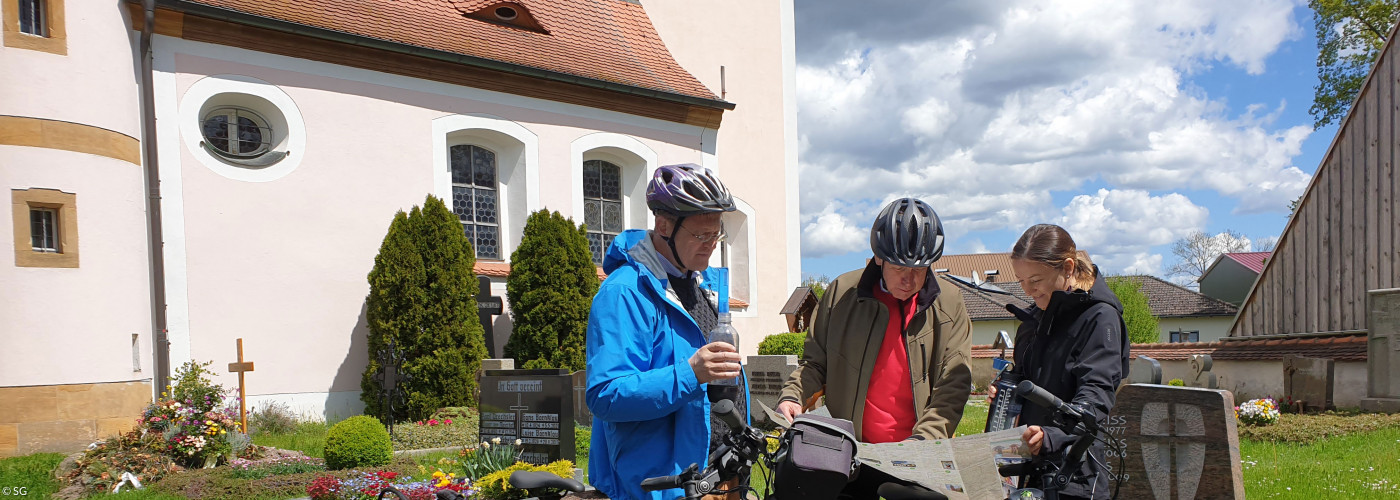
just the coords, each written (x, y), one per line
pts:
(160, 353)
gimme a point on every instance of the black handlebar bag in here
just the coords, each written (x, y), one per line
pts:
(816, 458)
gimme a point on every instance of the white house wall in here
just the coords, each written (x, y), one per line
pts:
(74, 325)
(756, 143)
(1212, 328)
(281, 263)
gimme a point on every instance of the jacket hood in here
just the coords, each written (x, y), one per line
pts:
(1072, 302)
(870, 278)
(634, 246)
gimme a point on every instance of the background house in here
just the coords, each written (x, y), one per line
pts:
(1231, 276)
(278, 140)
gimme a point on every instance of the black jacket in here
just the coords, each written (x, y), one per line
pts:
(1077, 348)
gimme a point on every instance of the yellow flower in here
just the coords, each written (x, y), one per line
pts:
(495, 440)
(221, 431)
(485, 446)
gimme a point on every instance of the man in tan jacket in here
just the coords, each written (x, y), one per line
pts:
(889, 343)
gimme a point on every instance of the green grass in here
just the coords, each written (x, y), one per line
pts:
(34, 473)
(974, 420)
(308, 438)
(1365, 464)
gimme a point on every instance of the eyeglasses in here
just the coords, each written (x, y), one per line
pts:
(707, 238)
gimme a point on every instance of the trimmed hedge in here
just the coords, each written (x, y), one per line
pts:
(357, 441)
(782, 343)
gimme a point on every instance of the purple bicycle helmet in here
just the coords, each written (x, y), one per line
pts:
(687, 189)
(907, 233)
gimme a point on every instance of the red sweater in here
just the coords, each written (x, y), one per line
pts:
(889, 402)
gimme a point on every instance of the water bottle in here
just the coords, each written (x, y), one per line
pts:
(725, 332)
(1005, 406)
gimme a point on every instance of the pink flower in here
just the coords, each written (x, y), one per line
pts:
(449, 421)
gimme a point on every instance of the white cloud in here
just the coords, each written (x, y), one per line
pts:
(986, 112)
(832, 234)
(1123, 225)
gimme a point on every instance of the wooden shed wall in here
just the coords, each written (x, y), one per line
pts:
(1342, 240)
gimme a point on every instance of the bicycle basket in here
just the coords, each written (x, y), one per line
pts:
(817, 457)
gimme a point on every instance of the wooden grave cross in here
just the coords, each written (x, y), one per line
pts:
(240, 367)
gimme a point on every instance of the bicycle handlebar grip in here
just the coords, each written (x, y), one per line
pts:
(724, 409)
(897, 491)
(661, 483)
(1038, 395)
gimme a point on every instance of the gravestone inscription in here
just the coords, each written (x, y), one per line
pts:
(1179, 443)
(533, 406)
(767, 374)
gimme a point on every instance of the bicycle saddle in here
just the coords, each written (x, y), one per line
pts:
(527, 480)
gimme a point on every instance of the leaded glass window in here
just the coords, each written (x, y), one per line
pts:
(475, 198)
(43, 229)
(237, 132)
(32, 18)
(602, 205)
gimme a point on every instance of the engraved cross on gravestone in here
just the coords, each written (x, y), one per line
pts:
(1180, 443)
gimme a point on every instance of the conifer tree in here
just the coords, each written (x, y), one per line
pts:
(551, 287)
(423, 297)
(1137, 314)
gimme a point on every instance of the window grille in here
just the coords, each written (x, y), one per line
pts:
(237, 132)
(33, 18)
(602, 205)
(43, 229)
(475, 198)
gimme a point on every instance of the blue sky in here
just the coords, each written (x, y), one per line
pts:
(1130, 123)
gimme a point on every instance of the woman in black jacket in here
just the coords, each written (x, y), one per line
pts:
(1072, 343)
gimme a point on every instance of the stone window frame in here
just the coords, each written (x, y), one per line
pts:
(56, 42)
(66, 205)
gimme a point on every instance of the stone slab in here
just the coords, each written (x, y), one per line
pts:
(1383, 343)
(582, 415)
(115, 426)
(9, 440)
(28, 404)
(498, 364)
(1145, 370)
(1383, 405)
(1309, 380)
(767, 374)
(1180, 442)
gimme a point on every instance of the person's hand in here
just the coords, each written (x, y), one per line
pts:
(1034, 437)
(789, 409)
(715, 361)
(991, 393)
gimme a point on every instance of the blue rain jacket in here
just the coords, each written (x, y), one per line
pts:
(650, 413)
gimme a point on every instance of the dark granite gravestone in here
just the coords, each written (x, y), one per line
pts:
(488, 305)
(534, 406)
(767, 374)
(1180, 442)
(1145, 370)
(1308, 381)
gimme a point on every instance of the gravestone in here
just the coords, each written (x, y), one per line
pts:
(1308, 381)
(1145, 370)
(1180, 443)
(1382, 351)
(488, 305)
(534, 406)
(1200, 372)
(582, 415)
(767, 374)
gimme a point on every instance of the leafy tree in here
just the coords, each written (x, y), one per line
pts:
(817, 284)
(1293, 206)
(1137, 314)
(551, 287)
(1350, 34)
(423, 298)
(783, 343)
(1197, 251)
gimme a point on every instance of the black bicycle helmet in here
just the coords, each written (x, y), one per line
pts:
(907, 233)
(687, 189)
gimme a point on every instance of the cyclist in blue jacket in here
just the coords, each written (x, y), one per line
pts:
(649, 365)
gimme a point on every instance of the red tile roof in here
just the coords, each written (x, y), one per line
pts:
(604, 40)
(1349, 347)
(1169, 300)
(966, 264)
(1254, 261)
(989, 304)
